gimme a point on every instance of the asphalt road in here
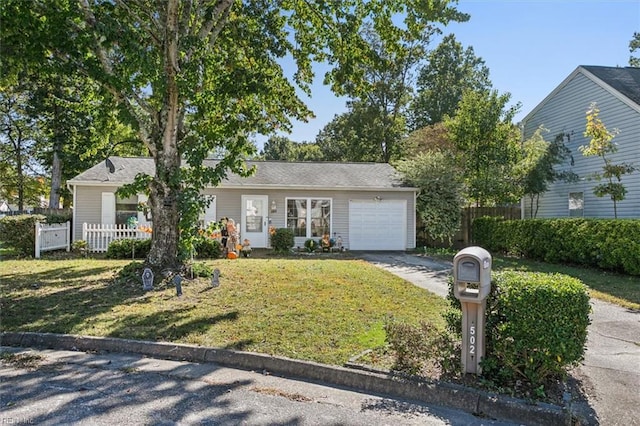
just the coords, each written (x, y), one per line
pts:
(66, 387)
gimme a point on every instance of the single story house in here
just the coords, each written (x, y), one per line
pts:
(616, 91)
(366, 204)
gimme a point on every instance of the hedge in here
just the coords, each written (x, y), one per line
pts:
(612, 244)
(19, 232)
(536, 327)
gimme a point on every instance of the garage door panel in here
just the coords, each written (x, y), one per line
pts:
(377, 225)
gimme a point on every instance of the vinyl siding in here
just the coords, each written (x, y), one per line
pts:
(228, 205)
(565, 112)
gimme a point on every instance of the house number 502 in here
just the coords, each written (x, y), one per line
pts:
(472, 340)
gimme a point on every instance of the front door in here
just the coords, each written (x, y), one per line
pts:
(254, 226)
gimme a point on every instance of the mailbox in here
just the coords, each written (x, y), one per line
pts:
(472, 274)
(471, 285)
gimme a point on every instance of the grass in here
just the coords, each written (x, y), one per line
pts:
(623, 290)
(324, 310)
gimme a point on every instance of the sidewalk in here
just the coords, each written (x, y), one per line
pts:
(610, 372)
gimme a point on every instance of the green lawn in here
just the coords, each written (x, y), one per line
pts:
(623, 290)
(325, 310)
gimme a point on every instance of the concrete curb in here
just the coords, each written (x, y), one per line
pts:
(444, 394)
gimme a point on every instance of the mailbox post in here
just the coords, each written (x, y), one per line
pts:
(471, 285)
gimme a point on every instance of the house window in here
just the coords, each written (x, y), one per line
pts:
(309, 217)
(576, 204)
(126, 208)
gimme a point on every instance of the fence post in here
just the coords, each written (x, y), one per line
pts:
(68, 236)
(37, 232)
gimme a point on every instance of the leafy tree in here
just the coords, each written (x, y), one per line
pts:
(537, 167)
(450, 71)
(439, 201)
(194, 77)
(77, 123)
(376, 124)
(488, 146)
(429, 138)
(20, 174)
(361, 134)
(284, 149)
(634, 45)
(601, 145)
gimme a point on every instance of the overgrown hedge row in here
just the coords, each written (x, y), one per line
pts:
(536, 327)
(612, 244)
(19, 232)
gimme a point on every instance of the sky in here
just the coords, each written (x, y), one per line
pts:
(529, 46)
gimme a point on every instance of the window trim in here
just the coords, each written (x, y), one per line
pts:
(308, 217)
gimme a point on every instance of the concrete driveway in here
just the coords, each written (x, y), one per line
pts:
(610, 372)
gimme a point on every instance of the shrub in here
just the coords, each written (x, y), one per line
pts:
(604, 243)
(536, 327)
(19, 232)
(197, 269)
(207, 248)
(128, 248)
(417, 347)
(311, 245)
(282, 240)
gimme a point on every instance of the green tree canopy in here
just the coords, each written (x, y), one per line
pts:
(634, 45)
(439, 202)
(450, 71)
(284, 149)
(488, 146)
(193, 77)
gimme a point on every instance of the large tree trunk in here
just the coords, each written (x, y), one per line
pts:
(163, 200)
(56, 177)
(165, 187)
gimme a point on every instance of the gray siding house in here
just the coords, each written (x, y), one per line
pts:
(617, 94)
(366, 204)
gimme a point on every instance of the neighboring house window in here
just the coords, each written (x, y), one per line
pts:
(309, 217)
(125, 209)
(576, 204)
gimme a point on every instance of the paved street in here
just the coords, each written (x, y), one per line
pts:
(77, 388)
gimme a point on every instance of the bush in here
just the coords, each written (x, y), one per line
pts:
(282, 240)
(536, 327)
(417, 347)
(604, 243)
(128, 248)
(311, 245)
(19, 232)
(197, 269)
(207, 248)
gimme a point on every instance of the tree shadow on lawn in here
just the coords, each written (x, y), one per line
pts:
(170, 326)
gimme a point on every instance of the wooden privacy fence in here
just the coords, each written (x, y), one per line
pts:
(98, 236)
(464, 237)
(54, 236)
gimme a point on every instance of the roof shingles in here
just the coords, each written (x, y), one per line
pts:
(268, 174)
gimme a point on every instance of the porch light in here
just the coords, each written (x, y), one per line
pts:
(274, 207)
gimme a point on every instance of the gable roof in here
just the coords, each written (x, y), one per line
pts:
(269, 174)
(621, 82)
(625, 80)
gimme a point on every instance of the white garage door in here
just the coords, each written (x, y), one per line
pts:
(377, 225)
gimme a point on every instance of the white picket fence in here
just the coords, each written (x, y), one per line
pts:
(54, 236)
(98, 236)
